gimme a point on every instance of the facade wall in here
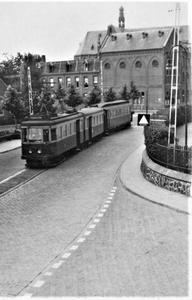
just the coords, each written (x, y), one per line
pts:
(145, 69)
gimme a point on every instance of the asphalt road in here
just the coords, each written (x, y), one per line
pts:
(136, 249)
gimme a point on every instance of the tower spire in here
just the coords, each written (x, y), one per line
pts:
(121, 18)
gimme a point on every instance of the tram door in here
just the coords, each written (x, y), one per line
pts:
(90, 128)
(78, 136)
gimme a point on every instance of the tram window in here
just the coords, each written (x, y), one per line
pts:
(45, 135)
(97, 119)
(66, 130)
(24, 135)
(70, 128)
(53, 134)
(35, 134)
(60, 136)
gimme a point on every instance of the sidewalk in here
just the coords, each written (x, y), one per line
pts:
(10, 145)
(133, 180)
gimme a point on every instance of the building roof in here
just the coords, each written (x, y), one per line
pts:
(138, 40)
(120, 42)
(90, 43)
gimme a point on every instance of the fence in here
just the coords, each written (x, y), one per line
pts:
(175, 158)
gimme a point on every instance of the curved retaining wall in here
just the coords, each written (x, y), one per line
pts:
(165, 178)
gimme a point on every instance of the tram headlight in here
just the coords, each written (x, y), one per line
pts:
(39, 151)
(30, 151)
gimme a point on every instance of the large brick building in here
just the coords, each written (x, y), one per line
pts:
(116, 56)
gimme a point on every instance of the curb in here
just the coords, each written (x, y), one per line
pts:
(1, 152)
(128, 188)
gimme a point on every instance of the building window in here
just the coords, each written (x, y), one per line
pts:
(86, 82)
(51, 81)
(68, 81)
(155, 64)
(95, 80)
(60, 80)
(138, 65)
(107, 66)
(77, 81)
(122, 65)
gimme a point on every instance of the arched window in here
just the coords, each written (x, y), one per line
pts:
(122, 65)
(138, 64)
(155, 64)
(107, 66)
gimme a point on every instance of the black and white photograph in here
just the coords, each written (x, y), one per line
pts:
(95, 150)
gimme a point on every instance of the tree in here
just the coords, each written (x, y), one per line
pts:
(13, 102)
(110, 95)
(124, 93)
(134, 93)
(94, 96)
(60, 95)
(72, 97)
(43, 102)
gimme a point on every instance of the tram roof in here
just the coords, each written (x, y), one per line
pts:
(90, 110)
(113, 103)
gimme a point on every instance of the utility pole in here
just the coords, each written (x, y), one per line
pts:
(30, 91)
(174, 77)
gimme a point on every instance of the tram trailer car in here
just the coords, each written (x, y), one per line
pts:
(45, 141)
(93, 124)
(117, 114)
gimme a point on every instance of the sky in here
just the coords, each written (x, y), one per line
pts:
(55, 29)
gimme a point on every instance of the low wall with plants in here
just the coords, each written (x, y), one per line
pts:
(165, 178)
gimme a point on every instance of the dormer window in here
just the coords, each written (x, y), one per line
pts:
(160, 33)
(113, 37)
(129, 36)
(92, 47)
(145, 34)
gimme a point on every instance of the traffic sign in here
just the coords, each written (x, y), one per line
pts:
(143, 120)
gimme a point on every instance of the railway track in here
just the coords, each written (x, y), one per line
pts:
(17, 180)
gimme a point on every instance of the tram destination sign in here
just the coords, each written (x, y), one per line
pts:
(143, 120)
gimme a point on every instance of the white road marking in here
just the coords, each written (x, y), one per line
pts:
(39, 283)
(92, 226)
(100, 215)
(66, 255)
(57, 265)
(87, 232)
(106, 205)
(96, 220)
(112, 191)
(7, 179)
(110, 198)
(108, 201)
(48, 273)
(103, 210)
(74, 247)
(112, 194)
(81, 240)
(27, 295)
(115, 187)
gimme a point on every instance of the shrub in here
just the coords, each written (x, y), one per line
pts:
(155, 133)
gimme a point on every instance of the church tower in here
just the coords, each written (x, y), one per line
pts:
(121, 18)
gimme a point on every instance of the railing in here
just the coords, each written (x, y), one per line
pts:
(175, 158)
